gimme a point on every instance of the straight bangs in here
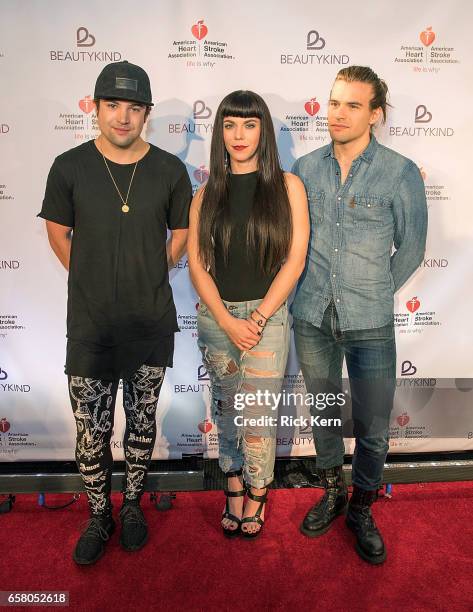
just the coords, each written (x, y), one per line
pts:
(242, 104)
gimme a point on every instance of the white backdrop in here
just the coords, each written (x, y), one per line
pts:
(195, 53)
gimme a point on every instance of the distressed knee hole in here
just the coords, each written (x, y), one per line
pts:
(252, 439)
(262, 354)
(221, 365)
(261, 373)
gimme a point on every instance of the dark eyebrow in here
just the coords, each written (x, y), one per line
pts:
(249, 120)
(353, 103)
(129, 103)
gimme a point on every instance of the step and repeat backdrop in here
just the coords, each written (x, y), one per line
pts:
(195, 53)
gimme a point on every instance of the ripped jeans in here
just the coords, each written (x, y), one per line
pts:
(246, 427)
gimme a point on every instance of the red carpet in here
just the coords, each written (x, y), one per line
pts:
(188, 565)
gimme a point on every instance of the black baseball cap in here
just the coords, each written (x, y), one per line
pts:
(123, 81)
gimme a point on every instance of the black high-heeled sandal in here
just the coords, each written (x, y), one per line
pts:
(257, 516)
(226, 514)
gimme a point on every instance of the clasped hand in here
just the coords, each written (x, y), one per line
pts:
(244, 333)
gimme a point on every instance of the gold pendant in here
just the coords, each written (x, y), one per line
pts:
(125, 208)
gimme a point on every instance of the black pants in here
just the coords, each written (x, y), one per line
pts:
(93, 404)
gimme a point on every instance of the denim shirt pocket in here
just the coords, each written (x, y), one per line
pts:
(370, 211)
(316, 199)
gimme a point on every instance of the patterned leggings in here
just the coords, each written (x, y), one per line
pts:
(93, 404)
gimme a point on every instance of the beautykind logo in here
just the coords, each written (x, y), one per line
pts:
(200, 49)
(314, 53)
(309, 123)
(198, 123)
(423, 55)
(7, 387)
(408, 368)
(85, 40)
(435, 262)
(422, 118)
(9, 264)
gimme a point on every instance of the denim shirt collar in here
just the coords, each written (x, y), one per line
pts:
(367, 154)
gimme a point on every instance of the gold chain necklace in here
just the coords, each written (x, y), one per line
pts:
(125, 207)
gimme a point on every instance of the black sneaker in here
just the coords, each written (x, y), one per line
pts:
(91, 544)
(134, 528)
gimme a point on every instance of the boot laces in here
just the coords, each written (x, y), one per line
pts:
(132, 514)
(94, 529)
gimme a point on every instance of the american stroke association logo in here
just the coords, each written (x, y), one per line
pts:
(200, 123)
(199, 50)
(9, 323)
(316, 52)
(415, 319)
(422, 118)
(85, 40)
(5, 193)
(426, 56)
(81, 122)
(309, 124)
(433, 191)
(11, 440)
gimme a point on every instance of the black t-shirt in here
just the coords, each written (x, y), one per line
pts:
(120, 312)
(240, 279)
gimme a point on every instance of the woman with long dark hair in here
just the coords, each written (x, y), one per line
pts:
(248, 236)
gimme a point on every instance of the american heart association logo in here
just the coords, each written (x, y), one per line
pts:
(199, 30)
(312, 107)
(205, 426)
(87, 104)
(201, 174)
(4, 425)
(403, 419)
(413, 304)
(427, 37)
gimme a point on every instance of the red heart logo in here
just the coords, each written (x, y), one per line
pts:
(205, 426)
(4, 425)
(201, 174)
(199, 29)
(87, 104)
(427, 37)
(413, 304)
(312, 107)
(403, 419)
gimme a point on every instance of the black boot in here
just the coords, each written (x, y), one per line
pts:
(91, 544)
(332, 504)
(369, 543)
(134, 528)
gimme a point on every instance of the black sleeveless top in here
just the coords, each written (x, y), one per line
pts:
(241, 280)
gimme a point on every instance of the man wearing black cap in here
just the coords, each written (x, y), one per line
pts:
(108, 205)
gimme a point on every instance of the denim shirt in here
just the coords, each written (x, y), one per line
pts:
(354, 226)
